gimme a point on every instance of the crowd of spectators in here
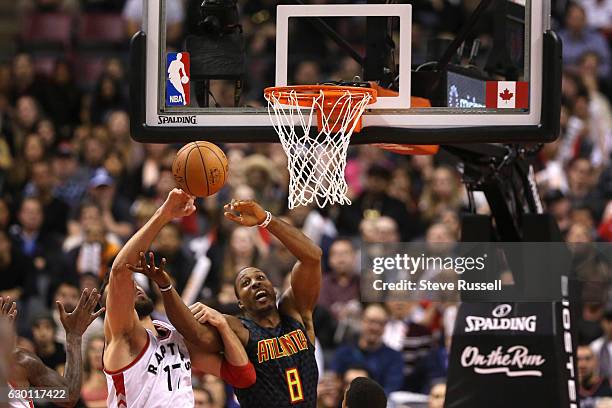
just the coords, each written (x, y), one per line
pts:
(74, 186)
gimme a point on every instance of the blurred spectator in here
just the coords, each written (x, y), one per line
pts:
(50, 351)
(340, 286)
(408, 337)
(307, 73)
(577, 38)
(592, 383)
(94, 391)
(384, 363)
(437, 395)
(279, 262)
(89, 214)
(374, 201)
(115, 208)
(180, 263)
(219, 393)
(443, 191)
(432, 368)
(203, 398)
(599, 14)
(552, 175)
(581, 181)
(602, 347)
(95, 150)
(46, 130)
(559, 206)
(106, 98)
(401, 189)
(15, 268)
(64, 99)
(599, 106)
(386, 230)
(260, 175)
(352, 372)
(55, 211)
(241, 252)
(27, 116)
(68, 293)
(25, 81)
(147, 175)
(37, 244)
(95, 253)
(329, 391)
(71, 178)
(359, 160)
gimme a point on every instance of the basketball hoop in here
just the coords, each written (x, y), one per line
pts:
(317, 161)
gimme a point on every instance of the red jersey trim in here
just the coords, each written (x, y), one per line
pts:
(119, 384)
(138, 357)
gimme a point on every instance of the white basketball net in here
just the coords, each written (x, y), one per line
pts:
(316, 161)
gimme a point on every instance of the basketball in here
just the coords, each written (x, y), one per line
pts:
(200, 168)
(184, 79)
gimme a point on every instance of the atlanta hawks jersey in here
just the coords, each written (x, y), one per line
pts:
(285, 364)
(160, 376)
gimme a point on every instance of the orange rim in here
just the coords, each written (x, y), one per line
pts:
(306, 93)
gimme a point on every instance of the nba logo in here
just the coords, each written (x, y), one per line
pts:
(177, 81)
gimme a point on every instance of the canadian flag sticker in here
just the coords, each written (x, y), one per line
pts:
(507, 95)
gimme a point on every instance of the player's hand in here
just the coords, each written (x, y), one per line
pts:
(245, 212)
(178, 204)
(8, 308)
(205, 314)
(76, 323)
(157, 274)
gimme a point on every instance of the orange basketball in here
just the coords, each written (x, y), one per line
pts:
(200, 168)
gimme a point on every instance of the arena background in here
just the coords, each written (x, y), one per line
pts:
(74, 186)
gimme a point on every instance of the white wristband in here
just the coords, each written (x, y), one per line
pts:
(167, 288)
(267, 220)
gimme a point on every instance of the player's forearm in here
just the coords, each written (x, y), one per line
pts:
(139, 242)
(233, 350)
(73, 373)
(295, 241)
(182, 319)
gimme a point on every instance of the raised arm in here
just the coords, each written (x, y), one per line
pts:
(306, 274)
(203, 336)
(75, 324)
(121, 318)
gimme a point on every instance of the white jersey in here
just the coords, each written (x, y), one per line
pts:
(160, 376)
(19, 402)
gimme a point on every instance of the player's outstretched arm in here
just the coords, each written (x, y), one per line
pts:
(121, 317)
(204, 336)
(75, 324)
(234, 366)
(306, 274)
